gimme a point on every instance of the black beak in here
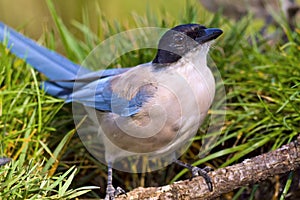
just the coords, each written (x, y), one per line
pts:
(210, 34)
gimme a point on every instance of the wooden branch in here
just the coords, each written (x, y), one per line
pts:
(282, 160)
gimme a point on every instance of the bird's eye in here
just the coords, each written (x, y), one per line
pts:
(179, 39)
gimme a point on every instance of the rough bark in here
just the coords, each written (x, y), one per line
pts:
(282, 160)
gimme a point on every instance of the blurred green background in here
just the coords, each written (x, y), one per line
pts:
(34, 16)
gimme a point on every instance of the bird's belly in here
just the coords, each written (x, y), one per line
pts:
(172, 117)
(153, 128)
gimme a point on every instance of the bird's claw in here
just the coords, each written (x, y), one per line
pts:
(196, 171)
(119, 191)
(208, 169)
(111, 192)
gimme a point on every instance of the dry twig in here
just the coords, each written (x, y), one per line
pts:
(259, 168)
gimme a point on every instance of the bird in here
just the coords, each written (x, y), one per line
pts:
(150, 109)
(259, 9)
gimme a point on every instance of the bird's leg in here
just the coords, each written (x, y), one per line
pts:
(111, 192)
(196, 171)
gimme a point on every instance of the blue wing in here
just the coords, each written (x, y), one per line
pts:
(100, 95)
(63, 88)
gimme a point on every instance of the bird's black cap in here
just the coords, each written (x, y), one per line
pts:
(181, 39)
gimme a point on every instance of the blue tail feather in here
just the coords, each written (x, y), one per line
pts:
(91, 88)
(62, 72)
(50, 63)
